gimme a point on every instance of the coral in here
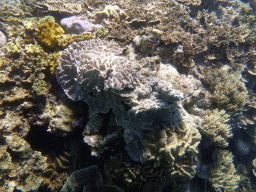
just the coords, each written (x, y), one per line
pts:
(89, 179)
(228, 91)
(223, 174)
(190, 2)
(23, 167)
(176, 146)
(75, 25)
(49, 32)
(68, 39)
(61, 117)
(215, 127)
(100, 139)
(110, 11)
(68, 7)
(92, 67)
(171, 155)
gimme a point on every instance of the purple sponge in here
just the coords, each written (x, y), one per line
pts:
(74, 25)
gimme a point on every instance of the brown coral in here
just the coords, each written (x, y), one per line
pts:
(229, 92)
(223, 175)
(216, 127)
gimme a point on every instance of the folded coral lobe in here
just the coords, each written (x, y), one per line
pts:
(94, 66)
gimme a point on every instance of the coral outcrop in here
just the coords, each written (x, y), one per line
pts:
(109, 81)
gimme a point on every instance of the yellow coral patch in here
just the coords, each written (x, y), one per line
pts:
(48, 33)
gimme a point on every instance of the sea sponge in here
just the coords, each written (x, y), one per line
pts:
(49, 32)
(216, 128)
(93, 66)
(223, 174)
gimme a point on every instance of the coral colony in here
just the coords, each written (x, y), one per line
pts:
(127, 95)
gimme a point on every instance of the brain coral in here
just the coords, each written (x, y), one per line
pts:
(93, 66)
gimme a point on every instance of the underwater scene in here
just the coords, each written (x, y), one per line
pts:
(127, 95)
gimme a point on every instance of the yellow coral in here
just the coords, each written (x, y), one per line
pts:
(49, 32)
(54, 63)
(67, 39)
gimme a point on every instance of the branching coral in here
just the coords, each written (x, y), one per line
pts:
(223, 175)
(216, 127)
(229, 92)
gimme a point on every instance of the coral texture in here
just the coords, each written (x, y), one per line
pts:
(216, 127)
(223, 175)
(90, 67)
(49, 32)
(21, 167)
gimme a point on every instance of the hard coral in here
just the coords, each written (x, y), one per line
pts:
(21, 167)
(216, 128)
(223, 175)
(49, 32)
(94, 66)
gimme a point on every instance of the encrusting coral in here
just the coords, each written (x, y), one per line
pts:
(215, 127)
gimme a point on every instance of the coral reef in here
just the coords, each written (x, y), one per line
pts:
(223, 175)
(215, 127)
(130, 106)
